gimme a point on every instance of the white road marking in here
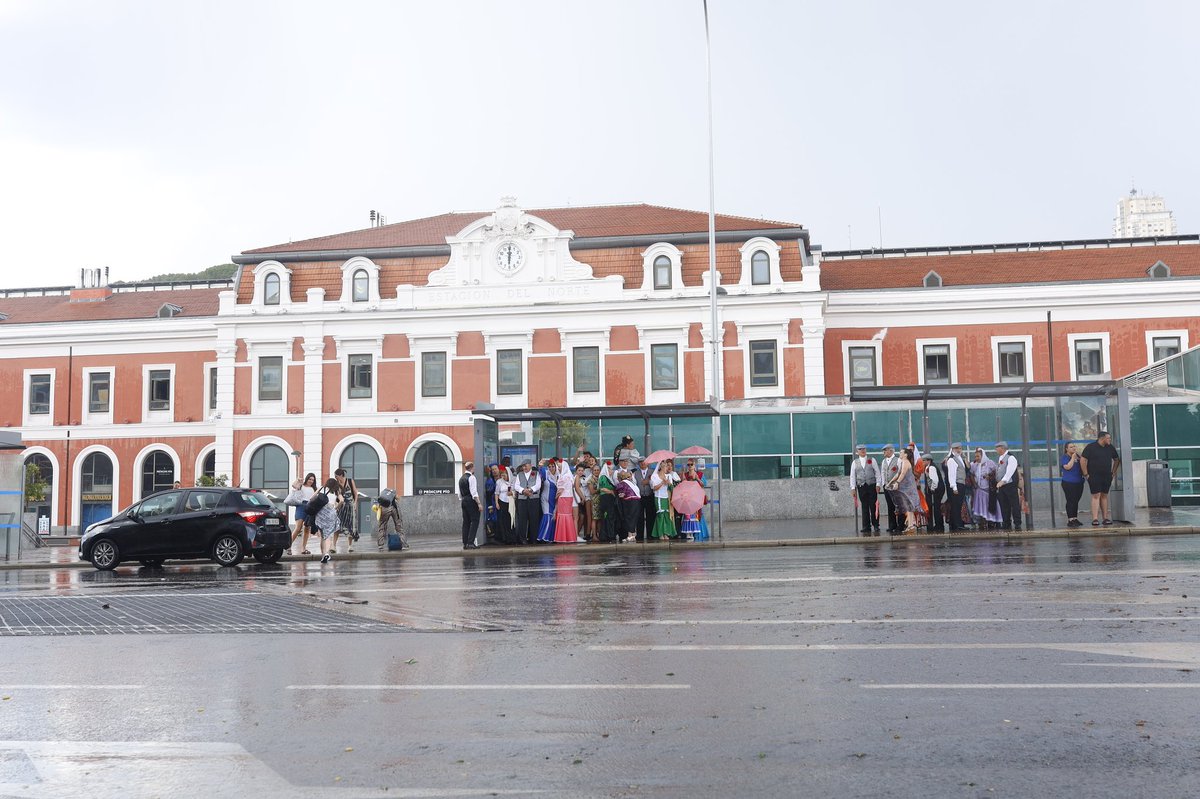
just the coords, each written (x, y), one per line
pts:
(992, 686)
(498, 687)
(68, 687)
(756, 622)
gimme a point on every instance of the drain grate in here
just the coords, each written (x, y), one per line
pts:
(182, 612)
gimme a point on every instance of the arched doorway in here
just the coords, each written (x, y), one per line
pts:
(39, 488)
(361, 462)
(270, 470)
(433, 469)
(95, 489)
(158, 472)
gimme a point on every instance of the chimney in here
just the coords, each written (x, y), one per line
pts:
(93, 286)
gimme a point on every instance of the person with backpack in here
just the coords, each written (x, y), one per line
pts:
(302, 492)
(324, 507)
(389, 512)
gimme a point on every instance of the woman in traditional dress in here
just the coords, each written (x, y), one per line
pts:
(661, 481)
(489, 496)
(549, 498)
(984, 505)
(606, 525)
(691, 521)
(904, 492)
(564, 528)
(504, 529)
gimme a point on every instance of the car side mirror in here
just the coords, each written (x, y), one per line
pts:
(135, 516)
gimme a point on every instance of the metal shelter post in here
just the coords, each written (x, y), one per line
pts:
(925, 424)
(1025, 455)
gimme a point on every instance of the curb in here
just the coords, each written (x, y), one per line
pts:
(608, 549)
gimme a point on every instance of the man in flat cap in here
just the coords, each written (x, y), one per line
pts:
(956, 485)
(865, 482)
(1007, 490)
(891, 469)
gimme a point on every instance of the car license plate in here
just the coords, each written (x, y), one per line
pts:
(272, 522)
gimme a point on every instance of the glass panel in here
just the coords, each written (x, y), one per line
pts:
(660, 437)
(359, 383)
(209, 469)
(760, 268)
(762, 433)
(270, 470)
(1011, 355)
(1143, 454)
(212, 388)
(361, 463)
(508, 372)
(662, 272)
(97, 475)
(39, 394)
(271, 290)
(158, 472)
(160, 389)
(664, 359)
(763, 364)
(1141, 425)
(433, 374)
(270, 378)
(983, 427)
(361, 288)
(945, 427)
(692, 432)
(862, 366)
(876, 428)
(586, 369)
(822, 432)
(823, 465)
(98, 394)
(1178, 425)
(762, 468)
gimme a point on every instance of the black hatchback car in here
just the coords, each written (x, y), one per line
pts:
(224, 524)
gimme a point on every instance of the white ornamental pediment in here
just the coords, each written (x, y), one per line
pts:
(509, 248)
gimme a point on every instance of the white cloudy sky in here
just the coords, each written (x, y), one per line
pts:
(166, 136)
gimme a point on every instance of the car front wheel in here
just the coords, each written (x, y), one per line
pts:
(268, 555)
(105, 555)
(227, 550)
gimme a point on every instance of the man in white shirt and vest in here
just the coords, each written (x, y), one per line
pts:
(527, 487)
(891, 468)
(472, 507)
(956, 485)
(864, 482)
(1006, 488)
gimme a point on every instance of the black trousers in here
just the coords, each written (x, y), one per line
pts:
(529, 516)
(1073, 492)
(470, 514)
(868, 498)
(935, 520)
(956, 503)
(504, 525)
(607, 525)
(630, 517)
(645, 523)
(1010, 506)
(893, 523)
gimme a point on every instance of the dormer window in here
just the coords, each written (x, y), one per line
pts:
(361, 286)
(932, 281)
(1159, 271)
(662, 272)
(760, 268)
(271, 289)
(167, 310)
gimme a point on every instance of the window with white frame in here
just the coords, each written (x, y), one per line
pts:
(509, 372)
(212, 388)
(99, 388)
(1162, 347)
(862, 367)
(1089, 357)
(662, 272)
(764, 363)
(585, 369)
(1011, 358)
(760, 268)
(936, 364)
(270, 378)
(360, 286)
(664, 367)
(271, 289)
(39, 394)
(359, 380)
(158, 390)
(433, 374)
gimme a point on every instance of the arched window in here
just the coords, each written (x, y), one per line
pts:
(361, 462)
(95, 489)
(209, 467)
(38, 491)
(271, 289)
(662, 272)
(269, 470)
(760, 268)
(361, 286)
(158, 472)
(433, 469)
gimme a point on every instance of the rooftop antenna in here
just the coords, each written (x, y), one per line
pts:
(849, 239)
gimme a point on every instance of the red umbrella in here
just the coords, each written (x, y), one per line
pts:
(696, 450)
(688, 497)
(660, 455)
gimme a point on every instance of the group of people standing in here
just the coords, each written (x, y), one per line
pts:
(330, 510)
(580, 500)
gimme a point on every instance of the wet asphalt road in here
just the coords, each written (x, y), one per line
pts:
(1046, 667)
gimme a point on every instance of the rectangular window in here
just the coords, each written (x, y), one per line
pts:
(433, 374)
(160, 389)
(664, 367)
(212, 388)
(760, 269)
(270, 378)
(1089, 358)
(360, 377)
(1166, 346)
(39, 394)
(937, 364)
(508, 372)
(99, 385)
(862, 367)
(1012, 361)
(764, 367)
(662, 272)
(586, 369)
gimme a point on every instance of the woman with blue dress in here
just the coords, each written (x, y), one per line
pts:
(489, 494)
(693, 523)
(549, 497)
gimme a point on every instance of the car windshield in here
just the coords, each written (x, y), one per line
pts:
(261, 500)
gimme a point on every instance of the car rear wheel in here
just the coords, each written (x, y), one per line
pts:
(105, 555)
(227, 550)
(268, 555)
(151, 563)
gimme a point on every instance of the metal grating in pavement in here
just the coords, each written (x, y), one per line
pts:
(184, 612)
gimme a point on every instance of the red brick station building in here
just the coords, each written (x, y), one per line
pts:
(369, 349)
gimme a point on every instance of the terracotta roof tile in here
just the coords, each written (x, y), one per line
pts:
(637, 219)
(981, 269)
(121, 305)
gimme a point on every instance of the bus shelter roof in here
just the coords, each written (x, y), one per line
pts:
(985, 391)
(645, 412)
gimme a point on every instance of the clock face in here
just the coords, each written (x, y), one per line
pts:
(509, 257)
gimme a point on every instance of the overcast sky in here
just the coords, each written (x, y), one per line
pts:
(167, 136)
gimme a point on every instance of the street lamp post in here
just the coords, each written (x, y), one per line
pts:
(715, 333)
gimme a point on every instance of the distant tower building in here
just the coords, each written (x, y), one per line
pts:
(1143, 215)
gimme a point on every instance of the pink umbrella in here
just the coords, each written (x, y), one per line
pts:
(688, 497)
(660, 455)
(696, 450)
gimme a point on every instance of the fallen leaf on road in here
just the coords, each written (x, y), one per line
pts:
(410, 661)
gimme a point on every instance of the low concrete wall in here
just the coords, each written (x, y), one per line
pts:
(432, 514)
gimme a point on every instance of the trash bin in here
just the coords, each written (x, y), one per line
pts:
(1158, 484)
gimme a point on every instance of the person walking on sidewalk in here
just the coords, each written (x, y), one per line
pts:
(347, 515)
(302, 492)
(324, 506)
(1100, 464)
(865, 481)
(472, 507)
(1007, 489)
